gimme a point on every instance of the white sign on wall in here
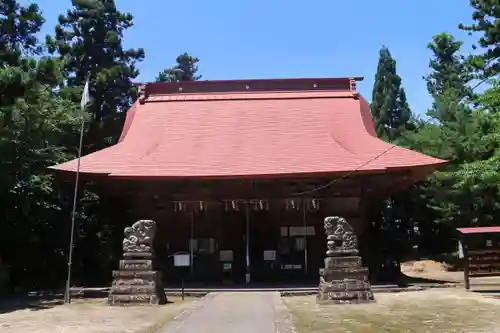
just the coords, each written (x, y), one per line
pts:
(182, 260)
(269, 255)
(226, 255)
(302, 231)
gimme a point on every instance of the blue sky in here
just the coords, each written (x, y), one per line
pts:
(237, 39)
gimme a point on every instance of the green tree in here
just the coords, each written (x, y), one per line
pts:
(18, 28)
(31, 205)
(449, 71)
(459, 132)
(89, 42)
(477, 180)
(486, 22)
(185, 69)
(392, 118)
(448, 133)
(88, 39)
(35, 122)
(389, 108)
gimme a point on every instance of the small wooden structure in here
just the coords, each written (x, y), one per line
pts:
(480, 250)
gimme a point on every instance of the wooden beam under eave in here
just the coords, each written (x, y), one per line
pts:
(399, 183)
(229, 189)
(247, 190)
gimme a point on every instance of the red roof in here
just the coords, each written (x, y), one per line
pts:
(248, 128)
(479, 230)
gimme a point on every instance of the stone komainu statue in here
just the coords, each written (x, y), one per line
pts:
(136, 281)
(344, 279)
(340, 236)
(139, 237)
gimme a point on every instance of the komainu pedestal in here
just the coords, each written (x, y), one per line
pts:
(344, 279)
(136, 281)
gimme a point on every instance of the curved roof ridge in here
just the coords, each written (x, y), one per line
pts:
(250, 95)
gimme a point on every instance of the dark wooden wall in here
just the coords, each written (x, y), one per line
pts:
(157, 201)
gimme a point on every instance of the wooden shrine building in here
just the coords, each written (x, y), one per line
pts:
(242, 173)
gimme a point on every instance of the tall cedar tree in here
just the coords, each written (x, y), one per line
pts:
(186, 69)
(89, 40)
(391, 115)
(390, 110)
(486, 17)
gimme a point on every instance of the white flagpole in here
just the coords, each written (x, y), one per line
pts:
(83, 104)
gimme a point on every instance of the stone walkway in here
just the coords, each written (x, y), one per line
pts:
(244, 312)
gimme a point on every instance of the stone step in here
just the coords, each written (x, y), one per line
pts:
(344, 286)
(332, 297)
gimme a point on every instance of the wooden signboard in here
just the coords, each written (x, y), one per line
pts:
(481, 254)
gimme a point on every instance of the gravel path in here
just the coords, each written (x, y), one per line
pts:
(244, 312)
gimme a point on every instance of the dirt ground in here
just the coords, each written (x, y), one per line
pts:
(90, 316)
(429, 311)
(432, 270)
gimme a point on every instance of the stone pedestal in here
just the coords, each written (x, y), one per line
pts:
(136, 281)
(344, 279)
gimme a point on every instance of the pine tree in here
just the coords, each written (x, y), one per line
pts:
(34, 121)
(447, 83)
(186, 69)
(19, 26)
(458, 133)
(390, 110)
(449, 71)
(89, 41)
(19, 73)
(486, 17)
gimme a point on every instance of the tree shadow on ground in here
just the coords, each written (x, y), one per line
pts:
(11, 304)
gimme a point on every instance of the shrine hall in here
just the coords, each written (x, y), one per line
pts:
(240, 174)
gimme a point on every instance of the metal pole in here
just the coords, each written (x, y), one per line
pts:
(247, 242)
(304, 220)
(191, 245)
(182, 286)
(67, 298)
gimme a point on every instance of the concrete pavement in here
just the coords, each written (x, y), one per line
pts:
(238, 312)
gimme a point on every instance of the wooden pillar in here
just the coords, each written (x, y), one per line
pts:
(465, 259)
(304, 220)
(247, 242)
(191, 243)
